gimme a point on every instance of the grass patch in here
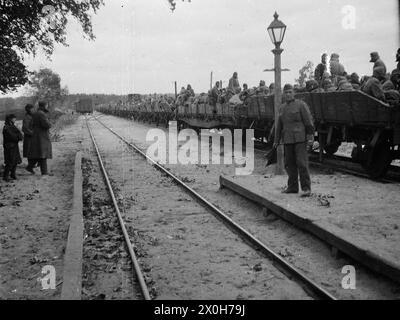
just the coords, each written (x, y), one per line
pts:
(58, 124)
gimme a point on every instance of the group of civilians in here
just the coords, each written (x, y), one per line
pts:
(36, 141)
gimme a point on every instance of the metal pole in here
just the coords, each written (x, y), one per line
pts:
(176, 91)
(211, 81)
(277, 102)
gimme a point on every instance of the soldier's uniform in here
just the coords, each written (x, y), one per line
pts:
(294, 126)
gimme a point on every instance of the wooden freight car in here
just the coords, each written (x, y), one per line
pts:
(84, 105)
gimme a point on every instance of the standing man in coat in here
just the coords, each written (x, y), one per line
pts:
(234, 85)
(40, 149)
(296, 129)
(27, 129)
(12, 157)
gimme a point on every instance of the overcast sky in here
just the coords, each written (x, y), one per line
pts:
(142, 47)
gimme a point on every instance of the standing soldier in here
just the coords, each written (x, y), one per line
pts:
(40, 149)
(295, 127)
(27, 129)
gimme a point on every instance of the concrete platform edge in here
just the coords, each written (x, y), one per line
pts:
(72, 277)
(362, 255)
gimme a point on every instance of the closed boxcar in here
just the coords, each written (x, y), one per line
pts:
(84, 105)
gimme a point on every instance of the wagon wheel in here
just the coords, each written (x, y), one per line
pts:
(377, 160)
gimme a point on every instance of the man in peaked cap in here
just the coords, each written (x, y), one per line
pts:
(321, 69)
(295, 127)
(378, 63)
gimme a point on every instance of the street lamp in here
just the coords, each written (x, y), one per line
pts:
(277, 30)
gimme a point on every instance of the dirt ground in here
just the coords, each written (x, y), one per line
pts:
(301, 249)
(34, 219)
(184, 251)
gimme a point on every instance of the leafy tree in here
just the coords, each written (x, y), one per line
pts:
(13, 72)
(306, 73)
(27, 25)
(46, 85)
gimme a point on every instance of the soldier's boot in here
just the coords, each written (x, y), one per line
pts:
(6, 174)
(31, 164)
(43, 167)
(13, 173)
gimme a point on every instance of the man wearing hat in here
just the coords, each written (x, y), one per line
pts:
(40, 149)
(12, 157)
(234, 86)
(296, 129)
(321, 69)
(378, 63)
(373, 86)
(336, 68)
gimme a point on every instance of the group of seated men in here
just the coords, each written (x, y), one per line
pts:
(381, 85)
(222, 95)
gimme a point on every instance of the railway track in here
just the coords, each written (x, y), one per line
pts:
(135, 263)
(292, 272)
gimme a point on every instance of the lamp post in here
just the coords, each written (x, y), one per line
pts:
(277, 30)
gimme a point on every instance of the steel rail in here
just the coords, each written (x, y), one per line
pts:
(307, 282)
(135, 263)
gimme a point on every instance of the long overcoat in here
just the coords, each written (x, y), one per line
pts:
(11, 137)
(40, 144)
(27, 129)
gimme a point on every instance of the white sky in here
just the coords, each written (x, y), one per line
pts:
(142, 47)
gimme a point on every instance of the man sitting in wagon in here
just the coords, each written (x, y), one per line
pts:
(214, 94)
(336, 68)
(355, 81)
(344, 84)
(189, 91)
(312, 86)
(234, 86)
(262, 88)
(392, 95)
(377, 61)
(373, 85)
(328, 86)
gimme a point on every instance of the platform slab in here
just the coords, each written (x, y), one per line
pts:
(72, 277)
(358, 218)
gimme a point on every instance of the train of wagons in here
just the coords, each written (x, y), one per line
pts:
(84, 105)
(342, 116)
